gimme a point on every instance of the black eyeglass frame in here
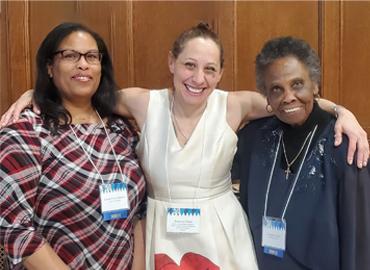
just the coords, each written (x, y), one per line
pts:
(80, 55)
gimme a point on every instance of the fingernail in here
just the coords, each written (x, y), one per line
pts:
(350, 161)
(365, 163)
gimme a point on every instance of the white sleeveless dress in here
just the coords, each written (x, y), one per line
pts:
(197, 174)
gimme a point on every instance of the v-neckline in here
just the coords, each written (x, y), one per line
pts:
(173, 128)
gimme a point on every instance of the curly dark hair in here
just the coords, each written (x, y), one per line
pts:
(201, 30)
(287, 46)
(46, 94)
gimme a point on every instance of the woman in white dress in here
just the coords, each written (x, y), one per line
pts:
(186, 148)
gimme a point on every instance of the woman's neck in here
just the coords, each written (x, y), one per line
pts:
(316, 117)
(186, 110)
(82, 114)
(185, 117)
(295, 136)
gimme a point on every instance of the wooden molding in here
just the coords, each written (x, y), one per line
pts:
(130, 43)
(330, 49)
(18, 56)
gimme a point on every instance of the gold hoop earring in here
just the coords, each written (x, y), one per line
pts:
(268, 108)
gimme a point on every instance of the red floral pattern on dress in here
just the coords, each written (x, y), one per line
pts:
(189, 261)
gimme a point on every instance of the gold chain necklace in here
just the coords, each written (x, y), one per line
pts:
(176, 123)
(177, 127)
(289, 164)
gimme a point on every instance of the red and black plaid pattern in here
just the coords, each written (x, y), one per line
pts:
(49, 193)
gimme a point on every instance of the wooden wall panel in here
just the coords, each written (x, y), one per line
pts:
(157, 24)
(106, 18)
(355, 70)
(3, 53)
(121, 37)
(330, 42)
(43, 17)
(25, 24)
(139, 35)
(17, 67)
(225, 27)
(23, 37)
(110, 19)
(257, 22)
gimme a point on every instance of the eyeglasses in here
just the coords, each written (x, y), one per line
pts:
(72, 56)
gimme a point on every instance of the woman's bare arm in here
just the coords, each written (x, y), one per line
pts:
(12, 114)
(133, 103)
(245, 106)
(347, 124)
(139, 245)
(44, 258)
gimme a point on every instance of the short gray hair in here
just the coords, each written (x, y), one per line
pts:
(282, 47)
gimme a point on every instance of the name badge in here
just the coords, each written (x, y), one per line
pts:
(273, 236)
(183, 220)
(114, 201)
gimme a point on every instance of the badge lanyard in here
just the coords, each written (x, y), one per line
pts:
(183, 219)
(273, 228)
(113, 197)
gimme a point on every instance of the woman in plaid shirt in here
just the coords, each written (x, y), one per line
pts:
(55, 168)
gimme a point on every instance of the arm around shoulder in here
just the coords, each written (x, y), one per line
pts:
(347, 124)
(133, 103)
(247, 106)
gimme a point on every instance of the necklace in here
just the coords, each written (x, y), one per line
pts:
(296, 176)
(289, 164)
(177, 125)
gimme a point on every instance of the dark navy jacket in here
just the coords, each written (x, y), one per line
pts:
(328, 217)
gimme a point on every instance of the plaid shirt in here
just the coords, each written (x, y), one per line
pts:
(49, 192)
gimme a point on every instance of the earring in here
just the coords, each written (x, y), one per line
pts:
(268, 108)
(317, 96)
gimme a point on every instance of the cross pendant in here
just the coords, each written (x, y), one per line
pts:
(287, 172)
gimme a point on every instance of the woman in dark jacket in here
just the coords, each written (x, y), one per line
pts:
(307, 208)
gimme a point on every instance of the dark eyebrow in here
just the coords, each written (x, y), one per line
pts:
(88, 51)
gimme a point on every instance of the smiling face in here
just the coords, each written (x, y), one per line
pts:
(76, 81)
(290, 90)
(196, 71)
